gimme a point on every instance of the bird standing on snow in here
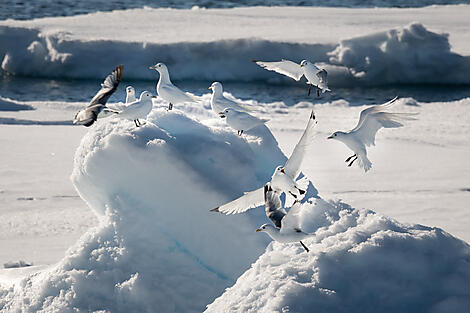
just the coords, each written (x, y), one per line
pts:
(168, 91)
(130, 94)
(138, 109)
(370, 121)
(240, 121)
(286, 225)
(315, 77)
(283, 179)
(97, 107)
(219, 102)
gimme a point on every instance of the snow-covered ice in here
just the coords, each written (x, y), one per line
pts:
(146, 238)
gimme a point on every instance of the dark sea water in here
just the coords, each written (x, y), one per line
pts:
(29, 9)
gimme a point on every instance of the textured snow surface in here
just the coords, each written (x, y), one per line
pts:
(156, 245)
(360, 261)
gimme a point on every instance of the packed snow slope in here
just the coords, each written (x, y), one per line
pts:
(157, 245)
(359, 261)
(358, 47)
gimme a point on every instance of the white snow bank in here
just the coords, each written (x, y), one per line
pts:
(157, 245)
(359, 261)
(218, 44)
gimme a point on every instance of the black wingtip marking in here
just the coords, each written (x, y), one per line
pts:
(215, 210)
(304, 246)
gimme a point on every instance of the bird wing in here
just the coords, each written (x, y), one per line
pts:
(178, 95)
(292, 219)
(108, 87)
(374, 118)
(273, 205)
(292, 167)
(284, 67)
(249, 200)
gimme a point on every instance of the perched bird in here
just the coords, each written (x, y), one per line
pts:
(219, 102)
(286, 225)
(370, 121)
(168, 91)
(315, 77)
(283, 179)
(130, 94)
(138, 109)
(97, 107)
(240, 121)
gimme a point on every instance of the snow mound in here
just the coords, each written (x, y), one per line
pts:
(157, 245)
(410, 54)
(359, 261)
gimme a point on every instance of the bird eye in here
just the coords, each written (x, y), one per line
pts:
(335, 135)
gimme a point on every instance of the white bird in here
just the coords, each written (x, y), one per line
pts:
(283, 179)
(138, 109)
(315, 77)
(130, 94)
(97, 107)
(219, 102)
(168, 91)
(286, 225)
(370, 121)
(240, 121)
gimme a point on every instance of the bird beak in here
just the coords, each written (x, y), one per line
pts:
(210, 87)
(258, 230)
(282, 171)
(154, 97)
(301, 65)
(221, 114)
(152, 67)
(330, 137)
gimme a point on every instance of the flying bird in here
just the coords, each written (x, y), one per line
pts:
(240, 121)
(97, 107)
(219, 103)
(283, 179)
(363, 135)
(138, 109)
(169, 92)
(286, 225)
(315, 76)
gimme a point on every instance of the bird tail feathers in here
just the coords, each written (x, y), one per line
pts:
(364, 163)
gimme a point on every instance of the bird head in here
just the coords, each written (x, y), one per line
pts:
(304, 63)
(160, 67)
(216, 87)
(145, 95)
(130, 90)
(280, 169)
(336, 135)
(265, 228)
(226, 112)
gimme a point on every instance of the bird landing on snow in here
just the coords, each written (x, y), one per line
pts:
(240, 121)
(286, 224)
(363, 135)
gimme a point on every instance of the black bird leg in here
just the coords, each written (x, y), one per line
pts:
(170, 106)
(352, 161)
(240, 132)
(136, 125)
(309, 89)
(293, 195)
(318, 91)
(305, 247)
(348, 159)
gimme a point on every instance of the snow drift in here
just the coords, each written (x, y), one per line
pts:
(360, 262)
